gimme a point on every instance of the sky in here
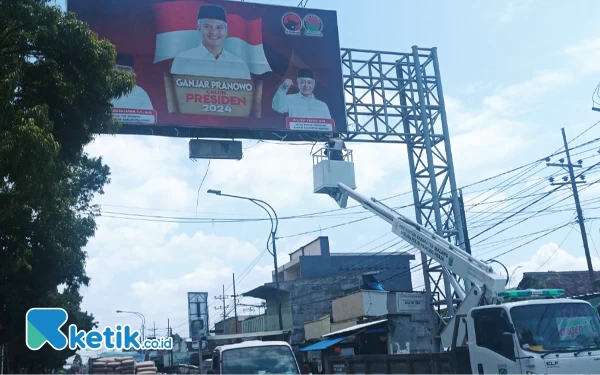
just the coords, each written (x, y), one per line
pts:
(513, 72)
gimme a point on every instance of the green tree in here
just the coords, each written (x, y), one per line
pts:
(56, 86)
(77, 360)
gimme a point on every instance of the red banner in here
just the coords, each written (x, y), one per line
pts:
(244, 69)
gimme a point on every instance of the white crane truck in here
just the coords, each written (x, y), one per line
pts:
(503, 331)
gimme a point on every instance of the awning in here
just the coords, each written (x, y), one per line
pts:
(355, 328)
(322, 345)
(263, 291)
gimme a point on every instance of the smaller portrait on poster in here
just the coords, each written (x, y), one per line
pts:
(136, 107)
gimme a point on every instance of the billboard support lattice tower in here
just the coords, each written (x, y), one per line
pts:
(397, 98)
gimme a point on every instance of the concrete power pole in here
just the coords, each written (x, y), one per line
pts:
(235, 305)
(572, 180)
(223, 297)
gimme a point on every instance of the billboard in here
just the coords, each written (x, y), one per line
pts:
(215, 68)
(198, 315)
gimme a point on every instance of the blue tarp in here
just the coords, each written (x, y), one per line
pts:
(376, 285)
(323, 344)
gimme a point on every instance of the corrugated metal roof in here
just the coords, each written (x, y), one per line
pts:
(355, 328)
(573, 282)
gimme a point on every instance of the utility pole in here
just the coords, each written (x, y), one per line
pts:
(154, 330)
(223, 297)
(572, 180)
(170, 335)
(235, 305)
(463, 215)
(463, 218)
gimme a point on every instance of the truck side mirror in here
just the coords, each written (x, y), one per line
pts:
(508, 345)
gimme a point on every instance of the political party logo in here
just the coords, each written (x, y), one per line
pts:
(292, 23)
(313, 25)
(42, 325)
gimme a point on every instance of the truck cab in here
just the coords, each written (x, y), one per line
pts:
(534, 337)
(255, 357)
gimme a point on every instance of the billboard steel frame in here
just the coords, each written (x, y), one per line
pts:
(397, 98)
(198, 309)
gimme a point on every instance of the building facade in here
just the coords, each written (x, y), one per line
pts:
(315, 260)
(228, 326)
(314, 277)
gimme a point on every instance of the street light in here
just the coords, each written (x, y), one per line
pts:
(141, 317)
(273, 233)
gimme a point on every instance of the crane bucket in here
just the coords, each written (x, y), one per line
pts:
(333, 165)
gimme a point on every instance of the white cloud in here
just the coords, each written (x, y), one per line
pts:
(155, 243)
(208, 277)
(584, 55)
(511, 9)
(508, 99)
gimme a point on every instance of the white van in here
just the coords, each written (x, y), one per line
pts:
(255, 357)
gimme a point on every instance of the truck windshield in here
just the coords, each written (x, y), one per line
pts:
(259, 360)
(556, 327)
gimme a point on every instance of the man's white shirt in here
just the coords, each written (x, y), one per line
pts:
(200, 62)
(298, 105)
(137, 99)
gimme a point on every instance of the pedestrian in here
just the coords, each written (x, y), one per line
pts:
(306, 368)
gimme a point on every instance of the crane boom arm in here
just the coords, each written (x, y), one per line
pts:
(450, 256)
(486, 283)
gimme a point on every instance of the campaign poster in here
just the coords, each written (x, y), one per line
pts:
(198, 314)
(573, 321)
(239, 67)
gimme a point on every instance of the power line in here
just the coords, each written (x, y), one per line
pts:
(506, 185)
(418, 266)
(542, 235)
(366, 218)
(554, 252)
(190, 220)
(593, 242)
(502, 221)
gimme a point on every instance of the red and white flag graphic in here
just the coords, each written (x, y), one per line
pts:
(176, 31)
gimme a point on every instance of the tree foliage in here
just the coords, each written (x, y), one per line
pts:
(56, 86)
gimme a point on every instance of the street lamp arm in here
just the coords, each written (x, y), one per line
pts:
(272, 236)
(272, 233)
(254, 200)
(272, 209)
(139, 315)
